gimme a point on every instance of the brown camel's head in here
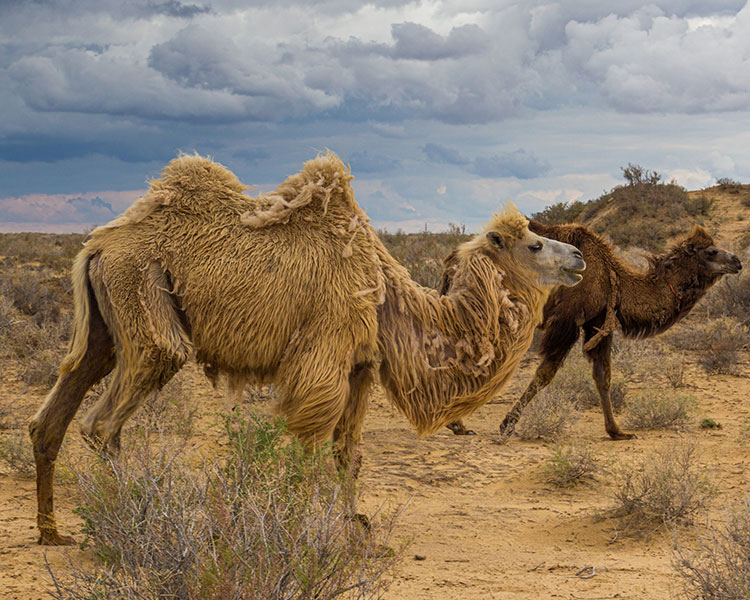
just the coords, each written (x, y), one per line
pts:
(699, 249)
(713, 259)
(551, 262)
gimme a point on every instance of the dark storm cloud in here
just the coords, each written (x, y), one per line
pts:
(173, 8)
(262, 85)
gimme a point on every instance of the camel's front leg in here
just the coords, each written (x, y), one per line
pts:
(602, 373)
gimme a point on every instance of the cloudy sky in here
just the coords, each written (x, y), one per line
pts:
(445, 110)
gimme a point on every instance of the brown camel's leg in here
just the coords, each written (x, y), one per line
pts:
(559, 337)
(600, 355)
(150, 341)
(48, 426)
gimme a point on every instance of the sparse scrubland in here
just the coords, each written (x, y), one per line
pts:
(265, 518)
(205, 505)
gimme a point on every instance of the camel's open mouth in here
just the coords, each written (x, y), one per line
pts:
(575, 275)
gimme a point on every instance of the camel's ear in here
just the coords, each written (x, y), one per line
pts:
(700, 237)
(497, 240)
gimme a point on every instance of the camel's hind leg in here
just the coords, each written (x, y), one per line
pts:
(152, 345)
(48, 426)
(131, 384)
(600, 355)
(559, 337)
(348, 430)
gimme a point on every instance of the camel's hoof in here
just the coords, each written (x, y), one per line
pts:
(621, 436)
(52, 538)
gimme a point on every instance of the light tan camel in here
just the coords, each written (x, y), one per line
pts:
(293, 288)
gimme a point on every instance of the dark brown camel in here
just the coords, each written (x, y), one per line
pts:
(614, 294)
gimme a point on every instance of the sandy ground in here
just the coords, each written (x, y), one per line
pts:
(482, 521)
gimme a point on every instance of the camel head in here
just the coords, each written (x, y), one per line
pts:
(551, 262)
(712, 259)
(698, 253)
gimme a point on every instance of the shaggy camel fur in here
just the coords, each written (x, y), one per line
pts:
(292, 288)
(614, 295)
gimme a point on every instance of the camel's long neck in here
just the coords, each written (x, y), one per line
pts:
(652, 302)
(444, 356)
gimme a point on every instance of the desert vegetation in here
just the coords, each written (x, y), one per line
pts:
(266, 518)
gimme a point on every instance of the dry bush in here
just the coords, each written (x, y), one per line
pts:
(571, 464)
(719, 343)
(37, 348)
(423, 253)
(37, 292)
(673, 367)
(729, 298)
(268, 518)
(54, 250)
(667, 486)
(719, 569)
(547, 417)
(172, 409)
(659, 409)
(573, 382)
(16, 453)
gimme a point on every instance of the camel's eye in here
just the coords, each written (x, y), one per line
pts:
(536, 247)
(712, 252)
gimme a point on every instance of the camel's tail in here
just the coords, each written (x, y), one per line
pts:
(82, 313)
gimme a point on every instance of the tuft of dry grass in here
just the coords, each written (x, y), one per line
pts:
(668, 486)
(547, 417)
(16, 453)
(571, 464)
(719, 568)
(657, 409)
(573, 382)
(719, 343)
(267, 518)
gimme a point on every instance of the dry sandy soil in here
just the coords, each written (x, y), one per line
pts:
(482, 521)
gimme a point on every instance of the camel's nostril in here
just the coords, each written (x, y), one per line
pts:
(577, 253)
